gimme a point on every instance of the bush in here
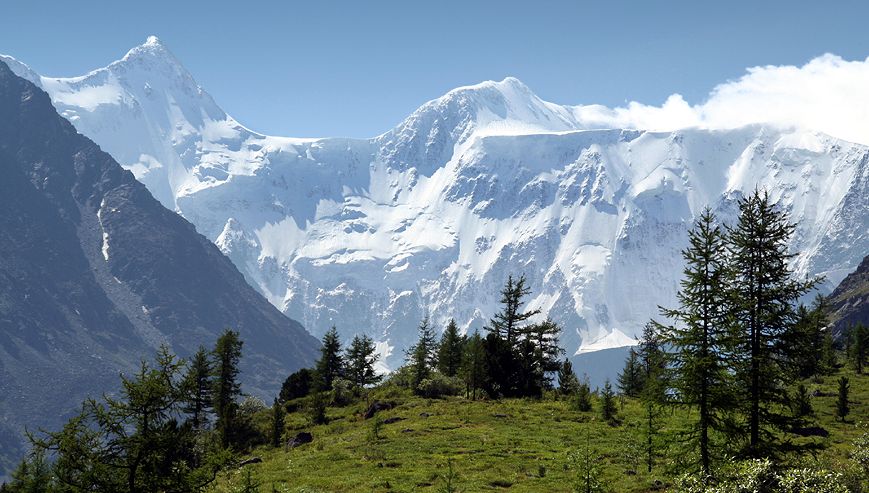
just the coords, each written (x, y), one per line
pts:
(438, 385)
(316, 408)
(342, 392)
(760, 476)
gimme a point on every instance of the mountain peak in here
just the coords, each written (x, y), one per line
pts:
(152, 49)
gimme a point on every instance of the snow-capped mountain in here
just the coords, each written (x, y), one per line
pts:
(485, 181)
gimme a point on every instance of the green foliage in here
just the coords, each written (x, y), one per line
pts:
(473, 370)
(227, 389)
(762, 292)
(33, 475)
(581, 401)
(586, 466)
(450, 350)
(297, 385)
(842, 404)
(198, 389)
(438, 385)
(316, 407)
(859, 338)
(360, 359)
(134, 442)
(761, 476)
(608, 404)
(331, 363)
(801, 405)
(422, 356)
(278, 416)
(568, 384)
(449, 479)
(630, 379)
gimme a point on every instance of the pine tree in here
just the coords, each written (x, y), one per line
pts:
(198, 389)
(802, 404)
(278, 414)
(422, 356)
(763, 292)
(473, 369)
(360, 359)
(608, 404)
(827, 363)
(842, 407)
(227, 389)
(298, 384)
(630, 379)
(653, 392)
(700, 339)
(582, 401)
(330, 366)
(507, 324)
(546, 352)
(450, 350)
(806, 337)
(134, 442)
(568, 384)
(859, 339)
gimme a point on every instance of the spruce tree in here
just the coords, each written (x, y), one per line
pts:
(298, 384)
(859, 339)
(227, 389)
(700, 338)
(582, 401)
(473, 368)
(330, 366)
(842, 403)
(608, 404)
(568, 384)
(198, 389)
(360, 359)
(277, 430)
(763, 291)
(546, 351)
(630, 379)
(422, 356)
(450, 350)
(508, 323)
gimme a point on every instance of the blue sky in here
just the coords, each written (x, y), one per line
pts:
(355, 69)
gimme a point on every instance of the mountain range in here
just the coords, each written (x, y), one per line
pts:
(96, 275)
(369, 235)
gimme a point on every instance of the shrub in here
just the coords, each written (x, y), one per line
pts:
(438, 385)
(343, 392)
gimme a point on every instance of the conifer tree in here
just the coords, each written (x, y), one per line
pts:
(278, 414)
(360, 359)
(198, 389)
(763, 292)
(474, 365)
(568, 384)
(608, 404)
(422, 356)
(508, 323)
(827, 363)
(298, 384)
(227, 389)
(859, 339)
(330, 366)
(630, 379)
(699, 338)
(653, 391)
(806, 337)
(450, 350)
(842, 403)
(546, 351)
(582, 401)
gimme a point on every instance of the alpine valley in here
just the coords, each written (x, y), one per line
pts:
(430, 217)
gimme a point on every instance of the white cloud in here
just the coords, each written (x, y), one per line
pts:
(828, 94)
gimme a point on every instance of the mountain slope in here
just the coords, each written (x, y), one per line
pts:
(850, 300)
(488, 180)
(95, 274)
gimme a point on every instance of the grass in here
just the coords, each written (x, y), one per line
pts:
(508, 445)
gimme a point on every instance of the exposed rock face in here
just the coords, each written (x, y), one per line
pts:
(95, 274)
(850, 300)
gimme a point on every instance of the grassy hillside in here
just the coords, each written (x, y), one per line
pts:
(508, 445)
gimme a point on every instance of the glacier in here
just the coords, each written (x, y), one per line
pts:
(369, 235)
